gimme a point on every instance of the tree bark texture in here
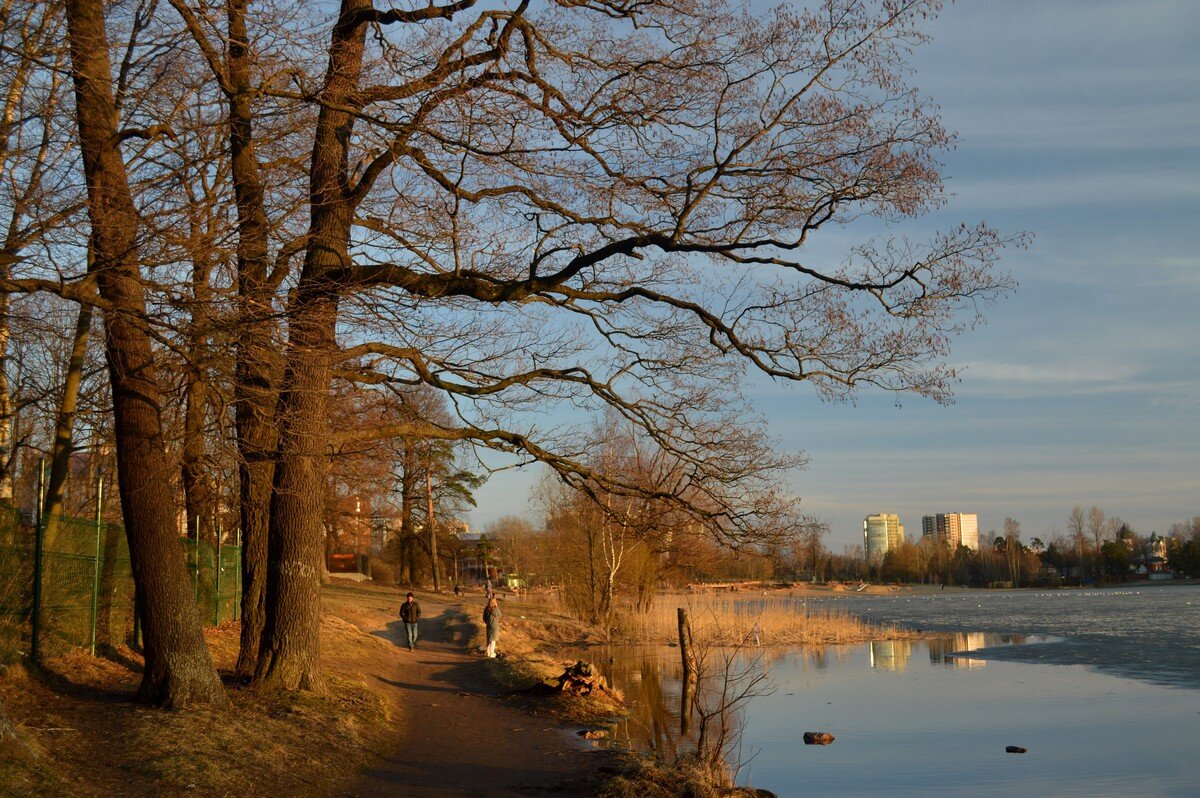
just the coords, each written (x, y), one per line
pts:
(257, 369)
(7, 454)
(290, 651)
(289, 658)
(178, 667)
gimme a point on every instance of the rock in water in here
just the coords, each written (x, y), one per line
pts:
(1014, 749)
(818, 738)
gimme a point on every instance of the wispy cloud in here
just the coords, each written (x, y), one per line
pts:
(1117, 186)
(1053, 375)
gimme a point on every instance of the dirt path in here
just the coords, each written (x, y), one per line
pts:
(454, 735)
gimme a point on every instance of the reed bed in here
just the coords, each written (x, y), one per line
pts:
(764, 621)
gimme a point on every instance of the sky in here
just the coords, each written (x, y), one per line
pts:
(1078, 122)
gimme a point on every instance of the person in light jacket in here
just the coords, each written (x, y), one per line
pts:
(491, 619)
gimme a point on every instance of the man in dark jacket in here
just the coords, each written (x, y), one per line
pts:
(410, 613)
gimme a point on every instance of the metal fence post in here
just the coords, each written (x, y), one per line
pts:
(35, 646)
(217, 582)
(96, 565)
(237, 576)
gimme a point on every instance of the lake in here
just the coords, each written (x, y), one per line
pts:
(1101, 686)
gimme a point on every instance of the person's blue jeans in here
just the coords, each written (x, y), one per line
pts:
(411, 629)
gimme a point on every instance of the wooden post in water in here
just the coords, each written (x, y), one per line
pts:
(688, 654)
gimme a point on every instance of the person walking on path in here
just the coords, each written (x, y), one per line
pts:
(491, 619)
(410, 613)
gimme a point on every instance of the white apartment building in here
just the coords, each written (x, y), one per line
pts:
(882, 533)
(953, 529)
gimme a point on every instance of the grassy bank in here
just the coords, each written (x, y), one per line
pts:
(82, 736)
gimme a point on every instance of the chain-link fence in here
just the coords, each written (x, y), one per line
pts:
(85, 594)
(16, 584)
(216, 579)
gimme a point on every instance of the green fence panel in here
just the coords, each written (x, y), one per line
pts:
(87, 584)
(229, 594)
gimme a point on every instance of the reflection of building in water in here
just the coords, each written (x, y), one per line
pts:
(942, 650)
(890, 655)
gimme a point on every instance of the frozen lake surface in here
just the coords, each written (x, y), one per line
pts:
(1147, 632)
(1102, 687)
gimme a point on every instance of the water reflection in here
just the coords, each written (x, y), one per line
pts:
(651, 677)
(911, 714)
(1148, 633)
(890, 655)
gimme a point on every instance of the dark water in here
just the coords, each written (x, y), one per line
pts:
(1101, 687)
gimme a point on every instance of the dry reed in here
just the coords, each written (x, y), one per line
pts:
(777, 620)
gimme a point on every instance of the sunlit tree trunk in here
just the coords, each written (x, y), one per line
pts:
(291, 643)
(178, 668)
(257, 361)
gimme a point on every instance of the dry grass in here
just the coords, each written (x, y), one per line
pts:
(89, 739)
(777, 620)
(646, 778)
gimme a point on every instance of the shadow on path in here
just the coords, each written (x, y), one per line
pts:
(453, 736)
(450, 627)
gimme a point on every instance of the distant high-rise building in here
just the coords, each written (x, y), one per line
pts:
(881, 533)
(953, 529)
(968, 526)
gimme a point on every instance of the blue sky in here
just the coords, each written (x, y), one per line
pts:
(1078, 121)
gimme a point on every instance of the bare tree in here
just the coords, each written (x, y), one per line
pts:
(178, 668)
(31, 86)
(1014, 551)
(1076, 527)
(597, 207)
(729, 675)
(232, 63)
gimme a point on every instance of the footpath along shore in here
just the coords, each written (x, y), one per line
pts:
(433, 722)
(454, 733)
(439, 721)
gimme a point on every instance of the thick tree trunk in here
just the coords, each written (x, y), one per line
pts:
(289, 656)
(178, 668)
(290, 649)
(255, 392)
